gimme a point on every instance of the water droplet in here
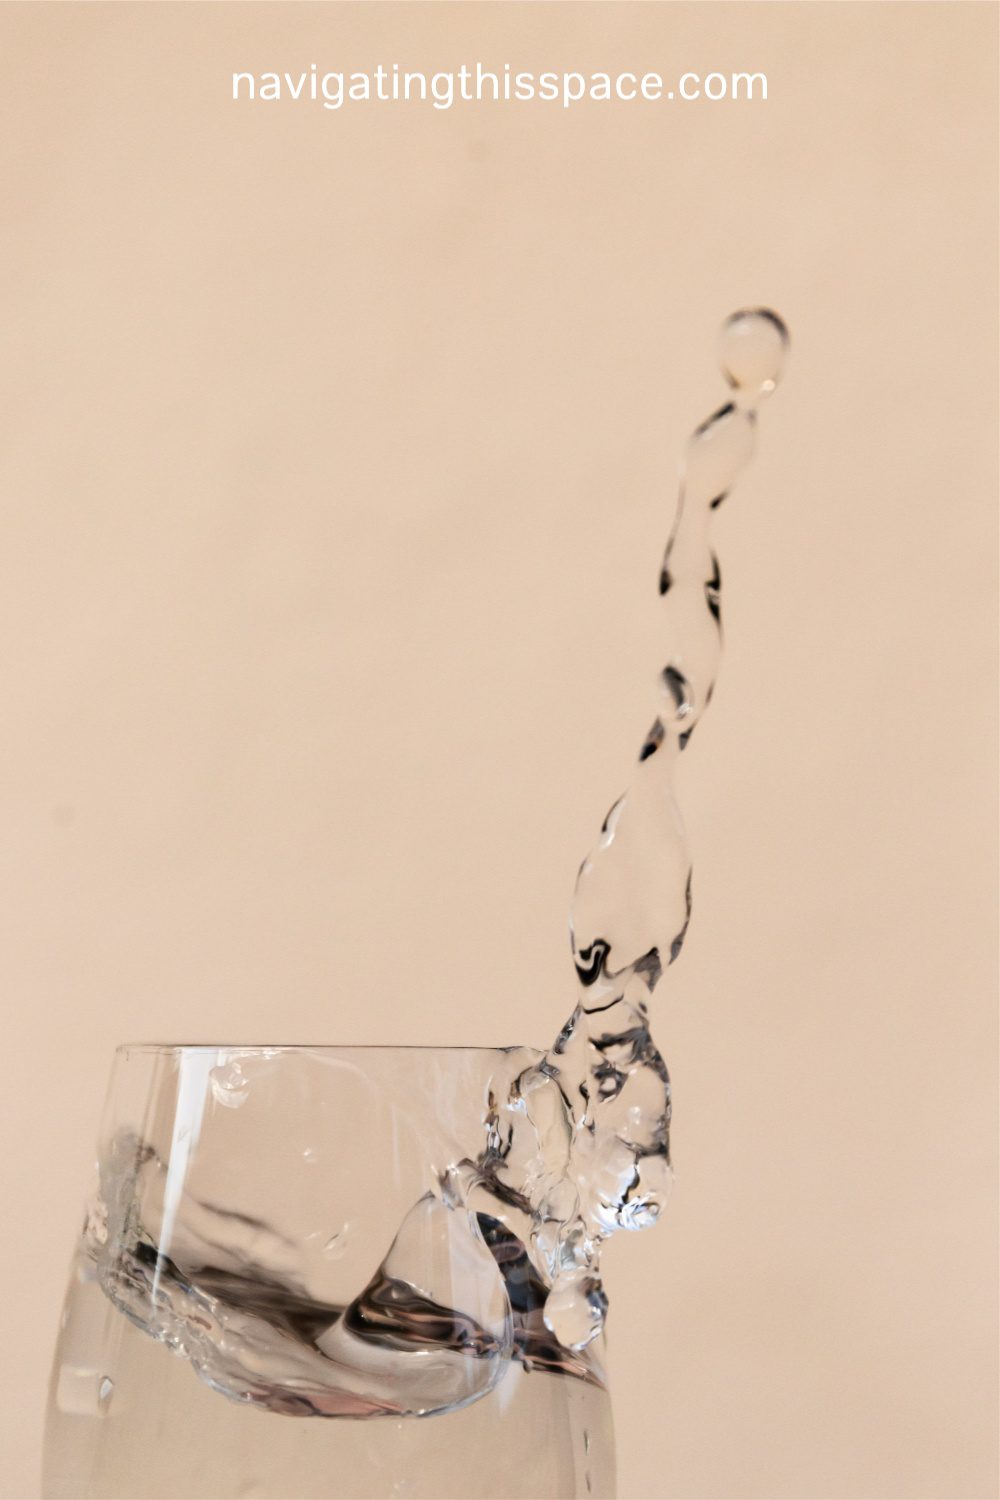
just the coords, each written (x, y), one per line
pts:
(752, 349)
(104, 1391)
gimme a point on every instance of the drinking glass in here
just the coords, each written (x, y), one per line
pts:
(276, 1295)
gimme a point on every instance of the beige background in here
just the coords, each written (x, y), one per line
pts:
(338, 458)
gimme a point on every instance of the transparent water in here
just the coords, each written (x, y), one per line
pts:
(490, 1286)
(127, 1419)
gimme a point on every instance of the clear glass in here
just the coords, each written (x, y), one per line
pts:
(274, 1296)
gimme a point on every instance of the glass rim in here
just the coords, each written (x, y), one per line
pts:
(425, 1047)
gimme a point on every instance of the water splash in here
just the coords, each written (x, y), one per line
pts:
(601, 1161)
(500, 1260)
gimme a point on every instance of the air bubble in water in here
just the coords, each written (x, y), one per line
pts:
(230, 1087)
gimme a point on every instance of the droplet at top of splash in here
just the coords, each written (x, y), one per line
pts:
(570, 1145)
